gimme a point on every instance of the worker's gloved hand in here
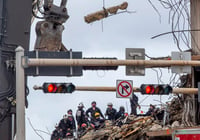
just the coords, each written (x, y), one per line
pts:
(68, 134)
(83, 125)
(92, 125)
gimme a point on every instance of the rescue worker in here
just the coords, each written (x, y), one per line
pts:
(120, 113)
(80, 115)
(82, 130)
(134, 104)
(56, 134)
(120, 116)
(151, 110)
(97, 122)
(70, 126)
(92, 110)
(63, 126)
(69, 113)
(110, 112)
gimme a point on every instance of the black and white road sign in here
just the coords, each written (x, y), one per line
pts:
(124, 88)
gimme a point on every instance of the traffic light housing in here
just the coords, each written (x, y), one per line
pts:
(58, 87)
(155, 89)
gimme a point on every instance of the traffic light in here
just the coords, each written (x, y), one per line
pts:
(155, 89)
(58, 87)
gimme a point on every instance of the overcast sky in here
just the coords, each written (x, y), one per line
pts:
(119, 32)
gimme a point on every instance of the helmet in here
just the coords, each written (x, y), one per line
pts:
(65, 116)
(56, 126)
(69, 115)
(109, 104)
(80, 105)
(97, 114)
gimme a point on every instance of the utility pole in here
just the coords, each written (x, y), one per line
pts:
(195, 43)
(20, 95)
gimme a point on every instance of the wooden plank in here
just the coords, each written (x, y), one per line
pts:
(167, 132)
(131, 132)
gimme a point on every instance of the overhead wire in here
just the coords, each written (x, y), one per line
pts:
(179, 18)
(172, 79)
(177, 82)
(143, 99)
(161, 74)
(170, 32)
(159, 77)
(155, 10)
(35, 130)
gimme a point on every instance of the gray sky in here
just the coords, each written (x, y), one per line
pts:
(119, 32)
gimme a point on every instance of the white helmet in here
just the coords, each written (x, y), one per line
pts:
(69, 115)
(109, 104)
(80, 105)
(65, 116)
(56, 125)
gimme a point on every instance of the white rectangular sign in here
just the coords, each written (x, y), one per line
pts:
(124, 88)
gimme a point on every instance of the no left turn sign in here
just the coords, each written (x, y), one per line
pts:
(124, 88)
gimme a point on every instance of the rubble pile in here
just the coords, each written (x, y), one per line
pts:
(133, 128)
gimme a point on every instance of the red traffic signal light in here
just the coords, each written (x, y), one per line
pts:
(155, 89)
(58, 87)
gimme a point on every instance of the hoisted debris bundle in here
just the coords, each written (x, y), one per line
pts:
(105, 12)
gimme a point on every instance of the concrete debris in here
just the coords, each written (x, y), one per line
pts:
(166, 128)
(175, 124)
(135, 127)
(155, 127)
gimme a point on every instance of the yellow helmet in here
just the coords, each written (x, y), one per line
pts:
(97, 114)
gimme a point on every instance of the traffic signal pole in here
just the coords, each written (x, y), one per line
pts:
(20, 95)
(106, 62)
(135, 89)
